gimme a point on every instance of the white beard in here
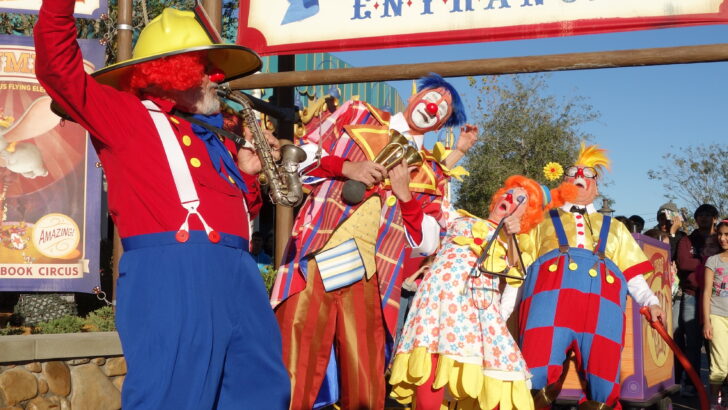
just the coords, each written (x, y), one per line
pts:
(197, 100)
(208, 103)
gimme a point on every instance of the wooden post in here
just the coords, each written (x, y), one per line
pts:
(124, 30)
(214, 12)
(284, 214)
(124, 33)
(491, 66)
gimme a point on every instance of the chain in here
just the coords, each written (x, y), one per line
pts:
(101, 295)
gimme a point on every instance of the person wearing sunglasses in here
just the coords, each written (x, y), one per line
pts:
(575, 293)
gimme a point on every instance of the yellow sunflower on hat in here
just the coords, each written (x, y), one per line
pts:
(553, 171)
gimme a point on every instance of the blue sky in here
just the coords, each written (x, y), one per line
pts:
(645, 111)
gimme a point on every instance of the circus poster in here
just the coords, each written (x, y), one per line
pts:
(273, 27)
(50, 187)
(84, 8)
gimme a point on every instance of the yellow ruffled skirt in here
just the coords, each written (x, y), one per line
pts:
(465, 382)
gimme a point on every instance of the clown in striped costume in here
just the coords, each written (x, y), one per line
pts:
(339, 283)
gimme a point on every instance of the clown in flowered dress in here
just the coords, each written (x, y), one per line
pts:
(456, 336)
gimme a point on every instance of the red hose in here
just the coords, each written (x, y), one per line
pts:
(657, 325)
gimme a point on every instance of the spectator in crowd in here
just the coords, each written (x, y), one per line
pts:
(661, 236)
(638, 223)
(257, 252)
(626, 221)
(715, 313)
(669, 220)
(688, 334)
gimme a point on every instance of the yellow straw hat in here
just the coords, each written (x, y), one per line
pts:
(178, 32)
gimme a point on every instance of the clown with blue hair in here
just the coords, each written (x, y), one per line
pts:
(337, 291)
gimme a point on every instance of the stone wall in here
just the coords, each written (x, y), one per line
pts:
(48, 372)
(69, 384)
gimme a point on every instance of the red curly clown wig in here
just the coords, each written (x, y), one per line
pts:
(540, 199)
(178, 72)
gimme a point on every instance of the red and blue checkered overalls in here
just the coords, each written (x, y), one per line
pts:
(574, 300)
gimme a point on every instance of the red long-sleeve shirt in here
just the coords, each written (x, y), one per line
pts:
(690, 262)
(141, 192)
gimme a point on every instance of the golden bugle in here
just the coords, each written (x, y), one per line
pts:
(397, 149)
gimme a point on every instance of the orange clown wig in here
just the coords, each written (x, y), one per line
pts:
(540, 199)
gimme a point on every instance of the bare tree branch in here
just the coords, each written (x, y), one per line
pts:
(696, 174)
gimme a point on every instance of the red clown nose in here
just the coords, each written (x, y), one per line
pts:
(217, 76)
(509, 198)
(431, 108)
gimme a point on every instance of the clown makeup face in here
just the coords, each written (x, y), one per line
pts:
(509, 203)
(585, 179)
(428, 110)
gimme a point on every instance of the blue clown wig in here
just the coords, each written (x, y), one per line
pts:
(432, 81)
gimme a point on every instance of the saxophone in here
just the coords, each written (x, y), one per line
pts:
(283, 179)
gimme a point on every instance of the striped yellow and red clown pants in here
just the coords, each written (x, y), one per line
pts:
(350, 319)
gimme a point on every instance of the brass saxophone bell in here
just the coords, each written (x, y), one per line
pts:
(292, 154)
(285, 185)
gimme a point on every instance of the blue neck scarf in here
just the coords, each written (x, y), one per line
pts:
(219, 155)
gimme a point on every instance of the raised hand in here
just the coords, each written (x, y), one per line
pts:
(467, 138)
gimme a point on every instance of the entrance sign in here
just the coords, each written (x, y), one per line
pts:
(303, 26)
(84, 8)
(50, 188)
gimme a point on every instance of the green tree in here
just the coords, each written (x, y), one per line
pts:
(522, 129)
(697, 175)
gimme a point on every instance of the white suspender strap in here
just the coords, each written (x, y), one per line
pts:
(180, 172)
